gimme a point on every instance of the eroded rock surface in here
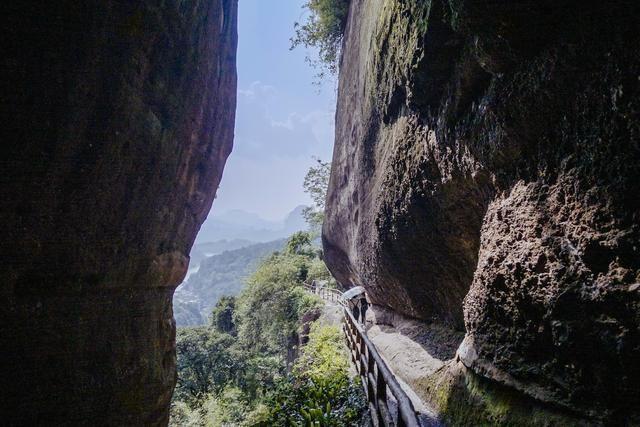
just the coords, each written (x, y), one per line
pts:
(119, 118)
(489, 152)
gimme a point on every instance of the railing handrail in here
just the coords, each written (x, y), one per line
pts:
(405, 406)
(320, 290)
(406, 415)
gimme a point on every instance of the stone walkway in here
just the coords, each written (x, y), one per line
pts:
(413, 351)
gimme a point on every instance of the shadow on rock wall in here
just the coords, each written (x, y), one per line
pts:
(489, 152)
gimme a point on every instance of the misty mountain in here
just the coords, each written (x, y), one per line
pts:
(244, 218)
(295, 221)
(239, 224)
(201, 251)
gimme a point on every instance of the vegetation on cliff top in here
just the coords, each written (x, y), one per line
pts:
(323, 31)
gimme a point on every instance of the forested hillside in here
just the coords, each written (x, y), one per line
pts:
(201, 251)
(218, 275)
(248, 365)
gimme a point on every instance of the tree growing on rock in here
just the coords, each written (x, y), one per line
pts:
(316, 183)
(323, 31)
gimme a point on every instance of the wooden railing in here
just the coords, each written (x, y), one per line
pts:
(378, 379)
(389, 405)
(327, 294)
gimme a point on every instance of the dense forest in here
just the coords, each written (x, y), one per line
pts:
(264, 358)
(267, 355)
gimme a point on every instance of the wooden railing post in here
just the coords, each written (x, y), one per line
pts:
(362, 350)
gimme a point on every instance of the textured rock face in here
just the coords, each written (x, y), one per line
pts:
(118, 121)
(405, 205)
(489, 152)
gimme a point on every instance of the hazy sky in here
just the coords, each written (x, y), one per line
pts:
(282, 119)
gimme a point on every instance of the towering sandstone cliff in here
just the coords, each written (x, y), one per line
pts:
(486, 175)
(117, 121)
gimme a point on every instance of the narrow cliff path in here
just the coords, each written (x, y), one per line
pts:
(407, 359)
(414, 351)
(410, 363)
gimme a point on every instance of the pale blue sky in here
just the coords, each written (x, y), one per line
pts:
(282, 119)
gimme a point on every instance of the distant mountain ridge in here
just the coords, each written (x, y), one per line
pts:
(244, 218)
(200, 251)
(239, 224)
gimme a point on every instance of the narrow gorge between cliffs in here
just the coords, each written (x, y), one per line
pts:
(320, 213)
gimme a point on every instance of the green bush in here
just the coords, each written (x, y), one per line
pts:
(325, 355)
(206, 362)
(185, 415)
(228, 408)
(323, 31)
(319, 390)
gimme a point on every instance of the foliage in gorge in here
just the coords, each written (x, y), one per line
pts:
(245, 368)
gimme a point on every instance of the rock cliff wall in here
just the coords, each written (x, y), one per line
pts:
(486, 175)
(118, 119)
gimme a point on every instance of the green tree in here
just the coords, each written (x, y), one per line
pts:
(269, 309)
(323, 31)
(316, 183)
(300, 244)
(205, 362)
(222, 315)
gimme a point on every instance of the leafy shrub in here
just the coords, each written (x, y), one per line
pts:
(184, 415)
(323, 30)
(319, 389)
(325, 355)
(206, 362)
(228, 408)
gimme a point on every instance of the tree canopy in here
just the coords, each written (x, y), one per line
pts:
(316, 184)
(323, 31)
(245, 367)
